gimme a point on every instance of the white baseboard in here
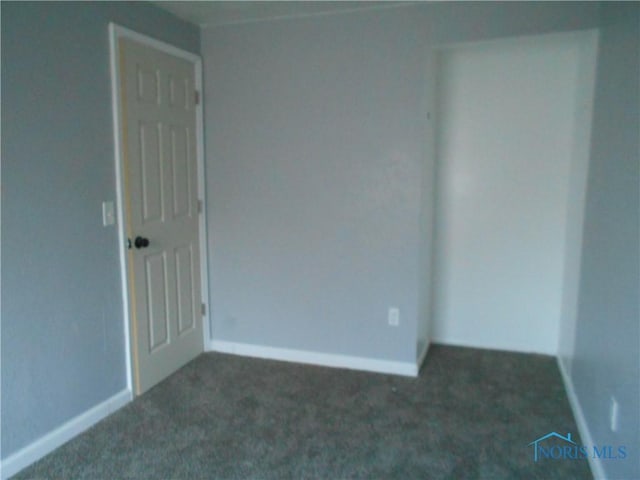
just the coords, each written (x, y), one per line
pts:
(52, 440)
(597, 468)
(314, 358)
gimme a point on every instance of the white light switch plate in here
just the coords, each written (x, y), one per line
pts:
(393, 317)
(108, 214)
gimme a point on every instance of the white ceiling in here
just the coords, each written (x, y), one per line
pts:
(213, 13)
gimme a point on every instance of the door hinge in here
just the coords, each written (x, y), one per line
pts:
(199, 206)
(203, 309)
(197, 97)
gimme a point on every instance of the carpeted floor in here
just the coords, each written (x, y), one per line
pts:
(470, 414)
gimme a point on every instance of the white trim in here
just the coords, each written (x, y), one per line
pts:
(315, 358)
(122, 234)
(597, 468)
(52, 440)
(115, 33)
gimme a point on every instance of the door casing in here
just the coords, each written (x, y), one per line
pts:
(117, 32)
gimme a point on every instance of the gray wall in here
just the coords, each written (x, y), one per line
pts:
(606, 360)
(315, 135)
(314, 182)
(62, 323)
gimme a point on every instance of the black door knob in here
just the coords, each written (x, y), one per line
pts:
(141, 242)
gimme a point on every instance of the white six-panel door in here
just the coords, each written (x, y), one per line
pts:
(159, 143)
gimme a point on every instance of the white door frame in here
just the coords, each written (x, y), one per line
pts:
(116, 32)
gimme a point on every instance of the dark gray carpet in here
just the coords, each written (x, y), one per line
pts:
(470, 414)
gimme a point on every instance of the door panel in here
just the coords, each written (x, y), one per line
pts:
(148, 85)
(161, 197)
(184, 275)
(151, 175)
(180, 163)
(156, 279)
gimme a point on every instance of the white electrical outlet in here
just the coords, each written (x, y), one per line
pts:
(613, 414)
(108, 214)
(394, 316)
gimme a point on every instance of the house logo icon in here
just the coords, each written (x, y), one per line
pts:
(546, 437)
